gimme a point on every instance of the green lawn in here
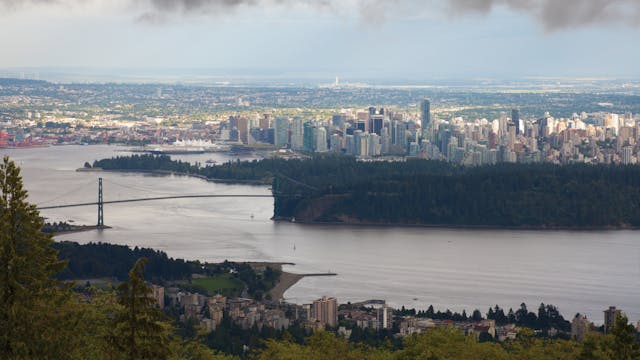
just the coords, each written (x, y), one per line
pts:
(219, 284)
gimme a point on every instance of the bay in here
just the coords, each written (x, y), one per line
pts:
(450, 268)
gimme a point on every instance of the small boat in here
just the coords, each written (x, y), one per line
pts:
(252, 216)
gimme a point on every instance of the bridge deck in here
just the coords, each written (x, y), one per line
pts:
(153, 199)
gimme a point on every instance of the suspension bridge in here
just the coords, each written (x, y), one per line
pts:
(101, 202)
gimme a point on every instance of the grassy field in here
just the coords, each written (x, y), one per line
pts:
(219, 284)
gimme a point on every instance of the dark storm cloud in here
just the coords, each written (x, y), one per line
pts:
(559, 14)
(552, 14)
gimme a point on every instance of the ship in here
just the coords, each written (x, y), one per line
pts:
(176, 151)
(189, 147)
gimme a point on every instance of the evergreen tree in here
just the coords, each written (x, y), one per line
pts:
(141, 331)
(491, 315)
(476, 316)
(625, 346)
(29, 295)
(430, 311)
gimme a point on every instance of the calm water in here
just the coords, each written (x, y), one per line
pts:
(456, 269)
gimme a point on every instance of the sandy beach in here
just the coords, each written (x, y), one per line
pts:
(287, 280)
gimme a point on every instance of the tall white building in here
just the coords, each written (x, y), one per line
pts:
(282, 132)
(627, 155)
(320, 139)
(297, 133)
(385, 317)
(335, 142)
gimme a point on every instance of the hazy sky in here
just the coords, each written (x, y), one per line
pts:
(394, 38)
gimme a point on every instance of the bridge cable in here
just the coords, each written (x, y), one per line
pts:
(131, 187)
(74, 190)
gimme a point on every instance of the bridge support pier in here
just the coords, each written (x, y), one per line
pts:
(100, 205)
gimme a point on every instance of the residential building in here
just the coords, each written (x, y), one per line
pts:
(580, 326)
(325, 311)
(610, 316)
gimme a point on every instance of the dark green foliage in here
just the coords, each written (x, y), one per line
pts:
(51, 228)
(548, 316)
(114, 261)
(255, 171)
(573, 196)
(374, 338)
(27, 266)
(145, 162)
(434, 193)
(341, 189)
(230, 338)
(258, 284)
(99, 260)
(140, 330)
(625, 346)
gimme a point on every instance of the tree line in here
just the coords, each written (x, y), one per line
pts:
(336, 188)
(101, 260)
(547, 316)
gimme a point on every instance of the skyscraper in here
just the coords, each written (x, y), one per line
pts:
(320, 139)
(243, 129)
(282, 131)
(338, 120)
(425, 112)
(297, 133)
(376, 122)
(307, 137)
(515, 117)
(265, 122)
(627, 154)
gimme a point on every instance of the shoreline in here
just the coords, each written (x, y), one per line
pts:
(459, 227)
(83, 228)
(287, 279)
(377, 224)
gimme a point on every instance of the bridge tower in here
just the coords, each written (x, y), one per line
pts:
(100, 205)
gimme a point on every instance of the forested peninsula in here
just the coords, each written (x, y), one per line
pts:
(341, 189)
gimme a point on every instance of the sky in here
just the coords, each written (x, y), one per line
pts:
(404, 39)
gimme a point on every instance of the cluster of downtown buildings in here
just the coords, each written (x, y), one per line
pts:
(209, 312)
(382, 133)
(597, 138)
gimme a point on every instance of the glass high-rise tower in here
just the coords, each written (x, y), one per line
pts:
(425, 112)
(515, 117)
